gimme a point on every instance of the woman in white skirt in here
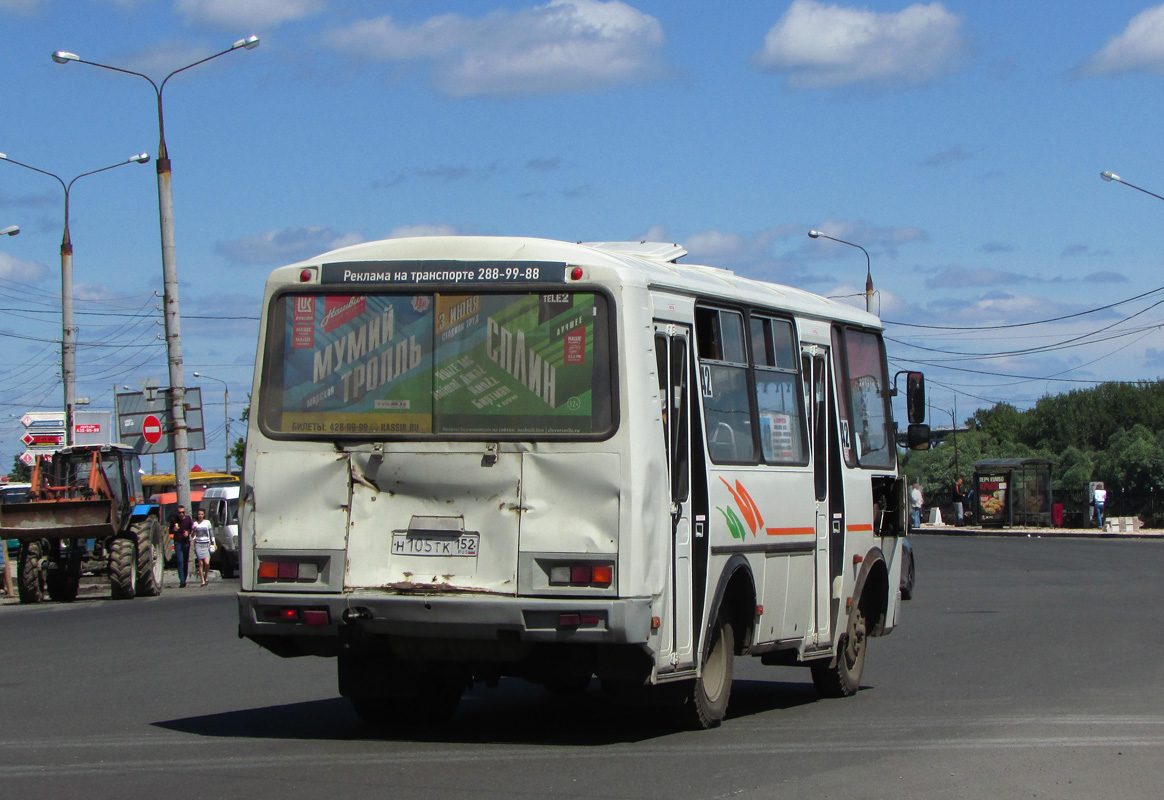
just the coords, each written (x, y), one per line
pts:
(202, 543)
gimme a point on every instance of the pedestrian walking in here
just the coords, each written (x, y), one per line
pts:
(202, 545)
(959, 495)
(181, 524)
(916, 501)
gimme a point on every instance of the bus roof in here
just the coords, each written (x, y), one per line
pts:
(652, 264)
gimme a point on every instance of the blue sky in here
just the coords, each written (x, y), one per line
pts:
(959, 143)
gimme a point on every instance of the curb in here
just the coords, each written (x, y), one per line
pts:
(1075, 533)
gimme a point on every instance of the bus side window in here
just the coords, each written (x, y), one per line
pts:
(724, 366)
(778, 398)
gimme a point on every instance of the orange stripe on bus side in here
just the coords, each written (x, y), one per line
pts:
(864, 527)
(790, 531)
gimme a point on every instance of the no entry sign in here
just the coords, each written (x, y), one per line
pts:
(151, 429)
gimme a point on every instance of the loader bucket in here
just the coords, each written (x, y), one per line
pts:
(57, 519)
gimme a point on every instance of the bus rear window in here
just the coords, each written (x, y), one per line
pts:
(448, 365)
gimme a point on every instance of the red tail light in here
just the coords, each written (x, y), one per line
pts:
(288, 570)
(587, 574)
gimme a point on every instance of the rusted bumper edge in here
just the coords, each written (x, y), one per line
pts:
(465, 617)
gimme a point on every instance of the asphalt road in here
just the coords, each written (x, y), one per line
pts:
(1022, 668)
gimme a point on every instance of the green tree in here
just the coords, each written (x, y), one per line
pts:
(1073, 468)
(21, 472)
(238, 450)
(1003, 422)
(1133, 461)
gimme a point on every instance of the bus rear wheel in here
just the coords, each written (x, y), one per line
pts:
(706, 701)
(435, 703)
(843, 677)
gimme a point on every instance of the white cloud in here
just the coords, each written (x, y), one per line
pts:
(234, 13)
(285, 246)
(563, 46)
(822, 47)
(15, 269)
(405, 231)
(1140, 48)
(874, 238)
(752, 253)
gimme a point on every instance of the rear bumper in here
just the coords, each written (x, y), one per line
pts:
(468, 617)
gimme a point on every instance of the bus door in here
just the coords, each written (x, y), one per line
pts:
(673, 358)
(816, 365)
(828, 487)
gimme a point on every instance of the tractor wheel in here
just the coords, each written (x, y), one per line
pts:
(122, 570)
(147, 535)
(30, 573)
(64, 582)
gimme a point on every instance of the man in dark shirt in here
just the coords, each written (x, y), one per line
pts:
(181, 524)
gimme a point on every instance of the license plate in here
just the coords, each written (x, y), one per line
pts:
(463, 546)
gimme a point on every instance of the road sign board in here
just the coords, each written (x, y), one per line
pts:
(27, 458)
(44, 419)
(133, 408)
(151, 429)
(43, 439)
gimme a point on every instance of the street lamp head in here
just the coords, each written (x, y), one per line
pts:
(197, 374)
(815, 234)
(1109, 176)
(140, 158)
(249, 43)
(64, 57)
(11, 230)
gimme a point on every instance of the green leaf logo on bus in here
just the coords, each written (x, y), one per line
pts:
(747, 507)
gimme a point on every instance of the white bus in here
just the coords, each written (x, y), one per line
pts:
(473, 457)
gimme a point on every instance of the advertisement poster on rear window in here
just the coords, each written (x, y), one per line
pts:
(513, 364)
(438, 364)
(355, 364)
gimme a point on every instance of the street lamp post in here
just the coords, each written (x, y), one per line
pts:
(169, 264)
(868, 266)
(68, 329)
(1111, 176)
(226, 411)
(11, 230)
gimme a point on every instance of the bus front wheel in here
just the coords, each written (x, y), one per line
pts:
(843, 677)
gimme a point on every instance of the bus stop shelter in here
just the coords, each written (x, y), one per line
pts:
(1013, 492)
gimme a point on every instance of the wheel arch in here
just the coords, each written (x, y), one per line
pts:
(735, 593)
(872, 591)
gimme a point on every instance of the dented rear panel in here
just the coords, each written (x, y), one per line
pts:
(441, 521)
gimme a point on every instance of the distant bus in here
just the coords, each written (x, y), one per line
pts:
(165, 482)
(478, 457)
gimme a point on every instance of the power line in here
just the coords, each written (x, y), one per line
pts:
(1021, 324)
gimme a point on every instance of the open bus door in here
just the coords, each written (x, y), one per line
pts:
(830, 517)
(673, 357)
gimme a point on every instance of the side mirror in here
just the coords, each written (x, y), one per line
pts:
(918, 437)
(915, 397)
